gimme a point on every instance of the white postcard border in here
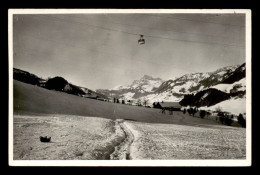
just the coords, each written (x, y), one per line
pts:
(244, 162)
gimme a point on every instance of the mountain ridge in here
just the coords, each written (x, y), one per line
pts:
(194, 89)
(56, 83)
(175, 89)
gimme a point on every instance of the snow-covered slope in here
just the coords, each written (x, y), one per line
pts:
(236, 86)
(158, 97)
(233, 105)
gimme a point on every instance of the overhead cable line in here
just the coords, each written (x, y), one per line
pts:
(136, 34)
(72, 45)
(106, 53)
(159, 29)
(185, 19)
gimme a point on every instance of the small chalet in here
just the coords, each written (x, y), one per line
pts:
(175, 106)
(92, 96)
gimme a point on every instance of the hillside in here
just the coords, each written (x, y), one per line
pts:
(236, 86)
(233, 105)
(29, 99)
(55, 83)
(207, 97)
(195, 89)
(27, 77)
(238, 74)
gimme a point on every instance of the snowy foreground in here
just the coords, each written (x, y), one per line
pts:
(72, 137)
(90, 138)
(169, 141)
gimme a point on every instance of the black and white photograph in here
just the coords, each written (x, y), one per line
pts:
(121, 87)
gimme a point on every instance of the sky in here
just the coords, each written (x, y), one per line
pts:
(100, 51)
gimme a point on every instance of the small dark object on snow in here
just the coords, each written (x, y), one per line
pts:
(45, 139)
(141, 40)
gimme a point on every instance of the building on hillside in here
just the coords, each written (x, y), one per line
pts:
(42, 83)
(110, 99)
(92, 96)
(67, 88)
(101, 99)
(174, 106)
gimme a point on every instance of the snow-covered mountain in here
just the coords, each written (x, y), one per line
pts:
(191, 83)
(146, 84)
(139, 88)
(174, 90)
(229, 94)
(155, 89)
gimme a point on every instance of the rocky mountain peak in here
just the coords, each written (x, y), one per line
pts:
(148, 77)
(156, 89)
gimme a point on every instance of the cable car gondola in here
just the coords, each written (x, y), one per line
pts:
(141, 40)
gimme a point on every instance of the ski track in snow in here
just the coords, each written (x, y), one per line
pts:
(145, 144)
(122, 151)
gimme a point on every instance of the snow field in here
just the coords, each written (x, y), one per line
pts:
(168, 142)
(72, 137)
